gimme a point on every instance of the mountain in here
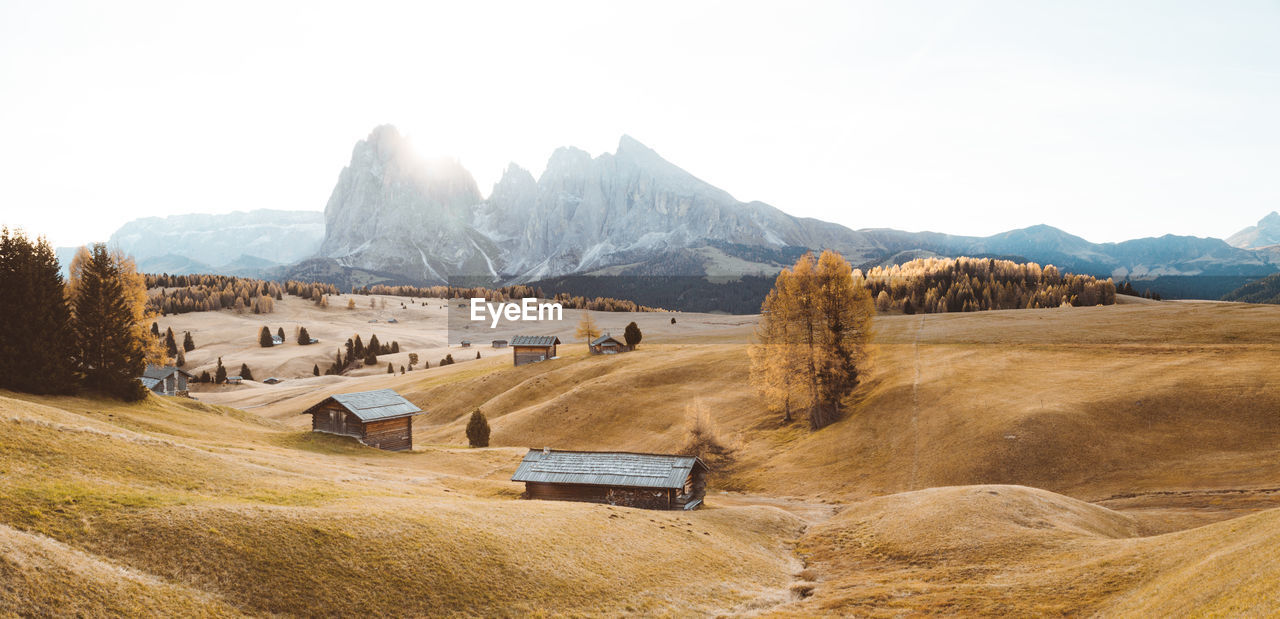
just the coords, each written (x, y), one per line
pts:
(426, 220)
(633, 213)
(1266, 233)
(261, 237)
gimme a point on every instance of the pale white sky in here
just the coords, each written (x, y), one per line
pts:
(1108, 119)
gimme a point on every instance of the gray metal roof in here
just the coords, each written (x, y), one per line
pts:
(372, 405)
(606, 468)
(606, 337)
(534, 340)
(150, 383)
(162, 371)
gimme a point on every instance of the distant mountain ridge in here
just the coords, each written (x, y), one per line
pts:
(632, 212)
(394, 217)
(242, 240)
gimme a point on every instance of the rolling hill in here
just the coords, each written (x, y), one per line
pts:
(1118, 459)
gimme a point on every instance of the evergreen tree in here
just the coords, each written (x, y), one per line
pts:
(170, 344)
(264, 338)
(280, 334)
(390, 369)
(155, 329)
(220, 373)
(673, 320)
(371, 359)
(37, 342)
(110, 349)
(182, 359)
(315, 370)
(478, 429)
(245, 373)
(188, 344)
(477, 354)
(632, 335)
(204, 377)
(395, 347)
(374, 347)
(304, 338)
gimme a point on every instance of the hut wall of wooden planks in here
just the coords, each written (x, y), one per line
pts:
(381, 419)
(533, 348)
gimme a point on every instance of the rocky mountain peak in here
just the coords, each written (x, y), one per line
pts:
(1264, 234)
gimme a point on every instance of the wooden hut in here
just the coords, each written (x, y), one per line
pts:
(650, 481)
(533, 348)
(166, 380)
(608, 345)
(381, 418)
(499, 343)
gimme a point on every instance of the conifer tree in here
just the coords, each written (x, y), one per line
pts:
(220, 373)
(315, 370)
(36, 339)
(478, 429)
(280, 334)
(110, 345)
(170, 344)
(188, 344)
(390, 369)
(264, 338)
(181, 360)
(304, 338)
(632, 335)
(245, 372)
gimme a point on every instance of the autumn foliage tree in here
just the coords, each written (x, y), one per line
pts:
(587, 329)
(812, 339)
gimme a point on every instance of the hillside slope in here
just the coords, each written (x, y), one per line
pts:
(192, 508)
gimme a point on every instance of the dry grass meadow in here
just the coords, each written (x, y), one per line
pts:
(1120, 460)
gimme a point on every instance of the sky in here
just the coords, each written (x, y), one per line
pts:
(1110, 120)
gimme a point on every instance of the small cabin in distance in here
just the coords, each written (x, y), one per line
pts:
(644, 480)
(533, 348)
(608, 345)
(166, 380)
(499, 343)
(381, 418)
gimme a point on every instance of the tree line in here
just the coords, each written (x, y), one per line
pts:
(356, 349)
(87, 331)
(506, 293)
(179, 294)
(938, 285)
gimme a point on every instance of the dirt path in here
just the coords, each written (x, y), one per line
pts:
(810, 512)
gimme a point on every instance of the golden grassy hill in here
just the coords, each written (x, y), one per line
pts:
(1013, 550)
(1162, 416)
(109, 508)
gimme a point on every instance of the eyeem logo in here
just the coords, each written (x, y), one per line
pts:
(527, 309)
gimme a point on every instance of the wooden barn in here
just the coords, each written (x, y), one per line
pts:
(608, 345)
(533, 348)
(381, 418)
(650, 481)
(166, 380)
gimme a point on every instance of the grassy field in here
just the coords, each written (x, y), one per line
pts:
(1119, 460)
